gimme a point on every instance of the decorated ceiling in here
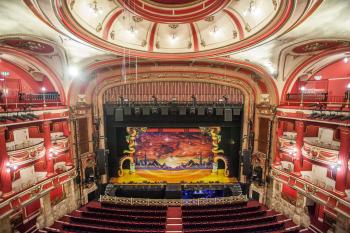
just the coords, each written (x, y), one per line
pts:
(266, 40)
(173, 29)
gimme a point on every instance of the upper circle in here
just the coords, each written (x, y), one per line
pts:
(180, 11)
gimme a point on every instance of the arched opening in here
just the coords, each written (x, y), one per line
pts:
(221, 164)
(126, 164)
(89, 175)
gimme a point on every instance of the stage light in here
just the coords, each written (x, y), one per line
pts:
(73, 71)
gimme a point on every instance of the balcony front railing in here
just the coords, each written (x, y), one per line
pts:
(315, 98)
(308, 189)
(173, 202)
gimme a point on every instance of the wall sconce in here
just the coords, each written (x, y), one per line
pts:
(10, 167)
(52, 153)
(293, 153)
(336, 166)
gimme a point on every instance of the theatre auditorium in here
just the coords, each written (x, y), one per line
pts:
(174, 116)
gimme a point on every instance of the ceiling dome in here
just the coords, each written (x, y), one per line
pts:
(181, 11)
(177, 29)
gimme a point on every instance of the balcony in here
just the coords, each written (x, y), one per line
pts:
(25, 152)
(313, 191)
(287, 141)
(309, 98)
(30, 101)
(37, 190)
(321, 151)
(59, 142)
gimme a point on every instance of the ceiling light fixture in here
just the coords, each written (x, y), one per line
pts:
(173, 37)
(252, 9)
(95, 9)
(73, 71)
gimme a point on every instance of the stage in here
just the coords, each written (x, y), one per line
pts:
(179, 176)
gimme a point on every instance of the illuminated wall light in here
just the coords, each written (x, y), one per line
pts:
(346, 59)
(348, 86)
(43, 89)
(318, 77)
(302, 88)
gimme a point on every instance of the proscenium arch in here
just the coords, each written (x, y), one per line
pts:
(228, 68)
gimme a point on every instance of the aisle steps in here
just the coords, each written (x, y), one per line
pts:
(174, 220)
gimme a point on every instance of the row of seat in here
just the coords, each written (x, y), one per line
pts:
(229, 223)
(266, 227)
(226, 216)
(21, 117)
(219, 211)
(117, 223)
(122, 217)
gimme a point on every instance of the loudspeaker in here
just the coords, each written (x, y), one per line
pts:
(164, 111)
(101, 161)
(201, 111)
(154, 110)
(219, 111)
(146, 111)
(127, 111)
(228, 114)
(137, 111)
(193, 110)
(118, 116)
(236, 111)
(247, 165)
(182, 111)
(110, 111)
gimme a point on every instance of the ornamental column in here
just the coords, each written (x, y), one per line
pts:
(66, 133)
(279, 135)
(299, 141)
(340, 182)
(5, 174)
(48, 146)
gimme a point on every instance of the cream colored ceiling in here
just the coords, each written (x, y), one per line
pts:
(329, 21)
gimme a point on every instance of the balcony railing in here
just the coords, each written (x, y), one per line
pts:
(173, 202)
(26, 152)
(25, 197)
(313, 191)
(33, 100)
(315, 98)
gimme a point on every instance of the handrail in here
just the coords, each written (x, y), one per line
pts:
(24, 146)
(173, 202)
(40, 185)
(314, 187)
